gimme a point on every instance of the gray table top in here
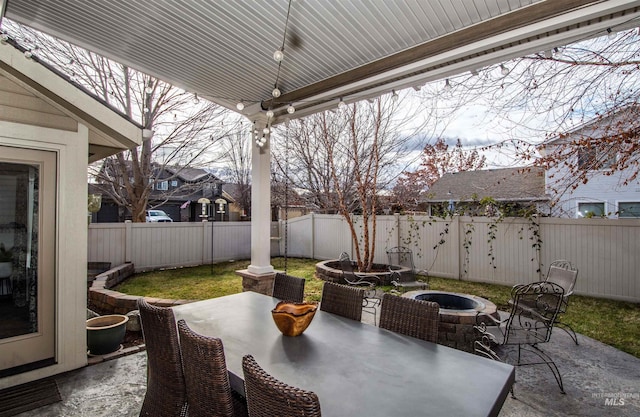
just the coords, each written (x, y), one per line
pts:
(356, 369)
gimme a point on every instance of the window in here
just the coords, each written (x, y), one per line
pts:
(162, 186)
(589, 210)
(596, 157)
(630, 209)
(174, 183)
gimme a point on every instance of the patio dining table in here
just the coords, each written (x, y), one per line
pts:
(356, 369)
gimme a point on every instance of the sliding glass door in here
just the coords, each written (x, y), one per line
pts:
(27, 259)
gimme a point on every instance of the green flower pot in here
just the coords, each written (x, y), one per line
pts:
(105, 334)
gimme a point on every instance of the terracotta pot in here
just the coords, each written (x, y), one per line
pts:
(106, 333)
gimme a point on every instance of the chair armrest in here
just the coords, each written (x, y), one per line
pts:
(492, 320)
(373, 277)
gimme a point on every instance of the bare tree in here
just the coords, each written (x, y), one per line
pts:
(236, 154)
(185, 129)
(344, 157)
(552, 95)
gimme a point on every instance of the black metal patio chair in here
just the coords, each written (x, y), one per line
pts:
(534, 308)
(406, 278)
(565, 275)
(368, 282)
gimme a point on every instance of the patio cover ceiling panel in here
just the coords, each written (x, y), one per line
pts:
(223, 49)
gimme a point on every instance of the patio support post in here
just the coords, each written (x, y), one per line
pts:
(260, 204)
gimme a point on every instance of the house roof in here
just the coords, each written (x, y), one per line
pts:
(508, 184)
(351, 50)
(109, 131)
(189, 174)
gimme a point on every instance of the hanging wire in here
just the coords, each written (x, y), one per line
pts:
(284, 39)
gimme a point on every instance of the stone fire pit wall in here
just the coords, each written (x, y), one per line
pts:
(456, 326)
(330, 271)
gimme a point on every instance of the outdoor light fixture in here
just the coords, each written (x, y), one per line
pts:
(149, 88)
(269, 114)
(276, 93)
(611, 34)
(265, 131)
(261, 141)
(28, 54)
(474, 72)
(291, 109)
(196, 100)
(447, 86)
(341, 104)
(394, 95)
(278, 55)
(504, 70)
(240, 106)
(4, 37)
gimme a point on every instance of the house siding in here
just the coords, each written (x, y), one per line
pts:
(20, 106)
(608, 189)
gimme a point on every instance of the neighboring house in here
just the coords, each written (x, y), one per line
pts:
(176, 191)
(49, 132)
(240, 207)
(591, 152)
(462, 192)
(294, 206)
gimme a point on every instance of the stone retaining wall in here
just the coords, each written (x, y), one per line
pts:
(331, 271)
(103, 298)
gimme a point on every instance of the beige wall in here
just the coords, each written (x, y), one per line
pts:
(20, 106)
(71, 239)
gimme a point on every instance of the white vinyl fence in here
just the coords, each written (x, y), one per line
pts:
(605, 251)
(168, 245)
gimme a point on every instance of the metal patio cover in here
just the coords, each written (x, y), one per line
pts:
(334, 49)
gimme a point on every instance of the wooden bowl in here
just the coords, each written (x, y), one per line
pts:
(293, 318)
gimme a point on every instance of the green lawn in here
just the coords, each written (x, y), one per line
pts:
(615, 323)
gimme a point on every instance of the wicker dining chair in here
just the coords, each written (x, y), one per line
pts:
(288, 288)
(269, 397)
(206, 378)
(415, 318)
(343, 300)
(166, 393)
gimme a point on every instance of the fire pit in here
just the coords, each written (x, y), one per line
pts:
(458, 314)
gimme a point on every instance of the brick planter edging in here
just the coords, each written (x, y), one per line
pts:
(102, 297)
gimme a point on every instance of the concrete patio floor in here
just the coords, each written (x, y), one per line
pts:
(598, 379)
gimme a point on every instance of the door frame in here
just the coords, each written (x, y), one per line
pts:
(70, 241)
(37, 349)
